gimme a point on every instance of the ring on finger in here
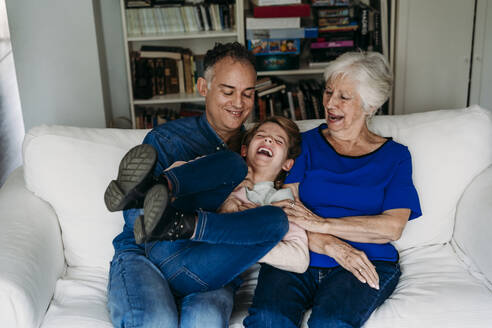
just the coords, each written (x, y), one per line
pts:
(292, 204)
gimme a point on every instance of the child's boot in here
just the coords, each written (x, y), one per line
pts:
(161, 220)
(134, 179)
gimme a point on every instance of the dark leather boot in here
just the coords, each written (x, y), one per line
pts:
(135, 178)
(161, 220)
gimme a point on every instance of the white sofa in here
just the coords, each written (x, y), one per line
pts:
(55, 235)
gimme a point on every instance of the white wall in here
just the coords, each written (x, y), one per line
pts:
(481, 84)
(432, 55)
(114, 57)
(56, 57)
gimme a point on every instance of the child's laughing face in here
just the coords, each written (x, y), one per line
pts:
(267, 151)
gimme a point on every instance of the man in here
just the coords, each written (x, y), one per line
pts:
(138, 293)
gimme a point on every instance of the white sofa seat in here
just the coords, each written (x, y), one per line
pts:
(56, 233)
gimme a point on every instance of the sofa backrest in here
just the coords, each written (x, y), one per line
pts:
(71, 167)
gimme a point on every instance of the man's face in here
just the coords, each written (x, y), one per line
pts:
(230, 98)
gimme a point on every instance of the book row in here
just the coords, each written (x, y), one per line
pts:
(300, 101)
(150, 117)
(175, 19)
(158, 70)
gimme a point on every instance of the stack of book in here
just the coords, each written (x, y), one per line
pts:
(158, 20)
(138, 3)
(160, 70)
(147, 117)
(338, 27)
(274, 33)
(299, 101)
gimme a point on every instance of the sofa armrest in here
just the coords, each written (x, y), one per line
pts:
(31, 254)
(473, 226)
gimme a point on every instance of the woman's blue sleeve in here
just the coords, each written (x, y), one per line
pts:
(296, 174)
(401, 192)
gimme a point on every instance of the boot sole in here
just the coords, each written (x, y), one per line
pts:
(135, 166)
(155, 204)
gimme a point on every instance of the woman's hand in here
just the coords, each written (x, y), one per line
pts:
(302, 216)
(348, 257)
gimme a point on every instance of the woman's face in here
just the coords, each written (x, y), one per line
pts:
(343, 107)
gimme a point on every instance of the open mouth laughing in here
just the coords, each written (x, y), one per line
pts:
(265, 151)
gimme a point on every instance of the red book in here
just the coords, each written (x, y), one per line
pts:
(297, 10)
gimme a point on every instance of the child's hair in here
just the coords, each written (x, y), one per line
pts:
(294, 142)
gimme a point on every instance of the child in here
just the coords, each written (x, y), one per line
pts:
(209, 255)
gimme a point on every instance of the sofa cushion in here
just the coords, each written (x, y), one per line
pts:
(79, 300)
(70, 168)
(449, 148)
(435, 290)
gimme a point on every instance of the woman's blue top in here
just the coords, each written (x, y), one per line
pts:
(334, 186)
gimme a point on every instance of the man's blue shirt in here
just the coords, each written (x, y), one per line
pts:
(179, 140)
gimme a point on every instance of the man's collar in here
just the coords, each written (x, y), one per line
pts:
(210, 132)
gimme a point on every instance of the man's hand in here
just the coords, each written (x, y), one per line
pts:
(348, 257)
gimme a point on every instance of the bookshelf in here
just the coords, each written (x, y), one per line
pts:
(200, 41)
(197, 41)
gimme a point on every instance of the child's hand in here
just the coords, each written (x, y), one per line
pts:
(175, 164)
(247, 206)
(248, 181)
(230, 205)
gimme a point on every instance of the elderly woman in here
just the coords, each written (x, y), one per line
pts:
(354, 195)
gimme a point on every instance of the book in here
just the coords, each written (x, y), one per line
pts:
(274, 2)
(171, 76)
(263, 83)
(295, 10)
(332, 12)
(271, 90)
(142, 77)
(272, 23)
(138, 3)
(332, 44)
(283, 33)
(264, 47)
(277, 62)
(331, 3)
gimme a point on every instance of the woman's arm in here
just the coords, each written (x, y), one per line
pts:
(377, 229)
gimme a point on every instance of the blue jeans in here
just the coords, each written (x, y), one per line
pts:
(225, 244)
(138, 293)
(139, 296)
(336, 297)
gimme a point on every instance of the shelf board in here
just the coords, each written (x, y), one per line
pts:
(301, 71)
(170, 99)
(186, 35)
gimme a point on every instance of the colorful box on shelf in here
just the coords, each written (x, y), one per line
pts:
(264, 47)
(276, 62)
(283, 33)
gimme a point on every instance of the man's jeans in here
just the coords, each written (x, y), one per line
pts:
(337, 298)
(139, 294)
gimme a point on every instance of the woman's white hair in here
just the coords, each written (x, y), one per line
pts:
(371, 72)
